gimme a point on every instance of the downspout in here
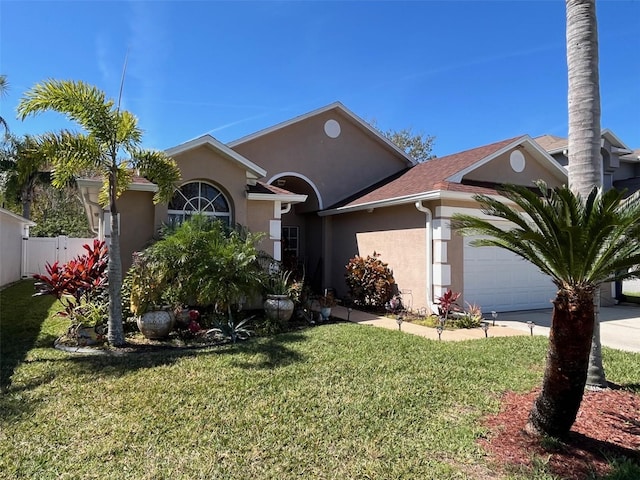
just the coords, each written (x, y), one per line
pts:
(429, 253)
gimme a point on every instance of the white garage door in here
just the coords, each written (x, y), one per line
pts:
(496, 279)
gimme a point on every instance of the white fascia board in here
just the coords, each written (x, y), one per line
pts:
(457, 177)
(337, 106)
(284, 198)
(97, 184)
(433, 195)
(526, 139)
(614, 139)
(208, 140)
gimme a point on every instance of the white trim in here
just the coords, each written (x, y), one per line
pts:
(275, 229)
(442, 229)
(614, 139)
(441, 274)
(526, 139)
(209, 141)
(302, 177)
(137, 187)
(276, 197)
(440, 251)
(332, 106)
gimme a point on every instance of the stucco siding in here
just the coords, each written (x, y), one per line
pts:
(136, 224)
(258, 220)
(203, 164)
(397, 234)
(499, 170)
(338, 167)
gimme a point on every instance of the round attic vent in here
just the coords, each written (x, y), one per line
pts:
(517, 161)
(332, 128)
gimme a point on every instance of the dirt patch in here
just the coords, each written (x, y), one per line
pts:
(607, 427)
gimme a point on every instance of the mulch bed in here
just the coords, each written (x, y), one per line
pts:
(607, 427)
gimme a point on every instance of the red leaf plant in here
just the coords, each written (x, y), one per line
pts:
(77, 280)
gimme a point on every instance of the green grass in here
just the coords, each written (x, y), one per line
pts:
(340, 401)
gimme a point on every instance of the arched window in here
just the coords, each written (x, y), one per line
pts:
(198, 197)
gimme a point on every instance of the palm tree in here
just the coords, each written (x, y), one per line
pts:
(4, 86)
(110, 145)
(25, 167)
(580, 244)
(585, 161)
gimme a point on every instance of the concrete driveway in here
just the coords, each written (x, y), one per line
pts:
(619, 325)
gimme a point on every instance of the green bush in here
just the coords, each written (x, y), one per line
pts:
(201, 262)
(370, 281)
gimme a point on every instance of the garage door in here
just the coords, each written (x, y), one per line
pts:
(496, 279)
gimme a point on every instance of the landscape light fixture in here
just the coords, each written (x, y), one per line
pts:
(399, 322)
(349, 310)
(485, 327)
(439, 329)
(494, 314)
(530, 324)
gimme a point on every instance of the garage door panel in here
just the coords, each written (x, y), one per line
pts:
(497, 279)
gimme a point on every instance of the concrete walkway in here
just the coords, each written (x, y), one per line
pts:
(364, 318)
(619, 325)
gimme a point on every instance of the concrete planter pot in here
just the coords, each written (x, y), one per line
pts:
(278, 308)
(156, 324)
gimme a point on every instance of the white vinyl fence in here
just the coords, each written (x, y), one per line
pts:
(41, 250)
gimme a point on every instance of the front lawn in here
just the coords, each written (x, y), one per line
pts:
(339, 401)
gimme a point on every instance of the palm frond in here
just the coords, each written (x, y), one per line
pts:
(158, 168)
(79, 101)
(574, 241)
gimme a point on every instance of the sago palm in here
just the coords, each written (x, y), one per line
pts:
(580, 243)
(110, 146)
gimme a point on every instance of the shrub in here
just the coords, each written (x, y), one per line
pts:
(79, 285)
(370, 281)
(201, 262)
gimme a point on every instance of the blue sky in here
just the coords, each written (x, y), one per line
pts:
(468, 72)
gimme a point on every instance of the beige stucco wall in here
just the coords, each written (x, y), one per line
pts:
(396, 233)
(259, 214)
(499, 170)
(338, 167)
(204, 164)
(11, 251)
(136, 223)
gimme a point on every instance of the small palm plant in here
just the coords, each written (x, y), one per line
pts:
(580, 243)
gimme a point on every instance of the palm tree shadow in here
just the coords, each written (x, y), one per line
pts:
(272, 353)
(21, 318)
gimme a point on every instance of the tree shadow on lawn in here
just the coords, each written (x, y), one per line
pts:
(21, 318)
(273, 352)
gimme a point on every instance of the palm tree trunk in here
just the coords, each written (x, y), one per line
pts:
(554, 411)
(585, 159)
(115, 334)
(596, 378)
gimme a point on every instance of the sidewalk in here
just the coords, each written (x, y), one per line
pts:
(364, 318)
(619, 325)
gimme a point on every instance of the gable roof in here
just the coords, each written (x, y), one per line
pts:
(339, 107)
(554, 144)
(445, 174)
(219, 147)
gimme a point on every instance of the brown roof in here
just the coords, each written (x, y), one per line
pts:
(261, 187)
(551, 143)
(432, 175)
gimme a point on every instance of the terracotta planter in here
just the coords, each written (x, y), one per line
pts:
(156, 324)
(278, 308)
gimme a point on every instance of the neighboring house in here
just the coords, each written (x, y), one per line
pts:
(14, 230)
(326, 186)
